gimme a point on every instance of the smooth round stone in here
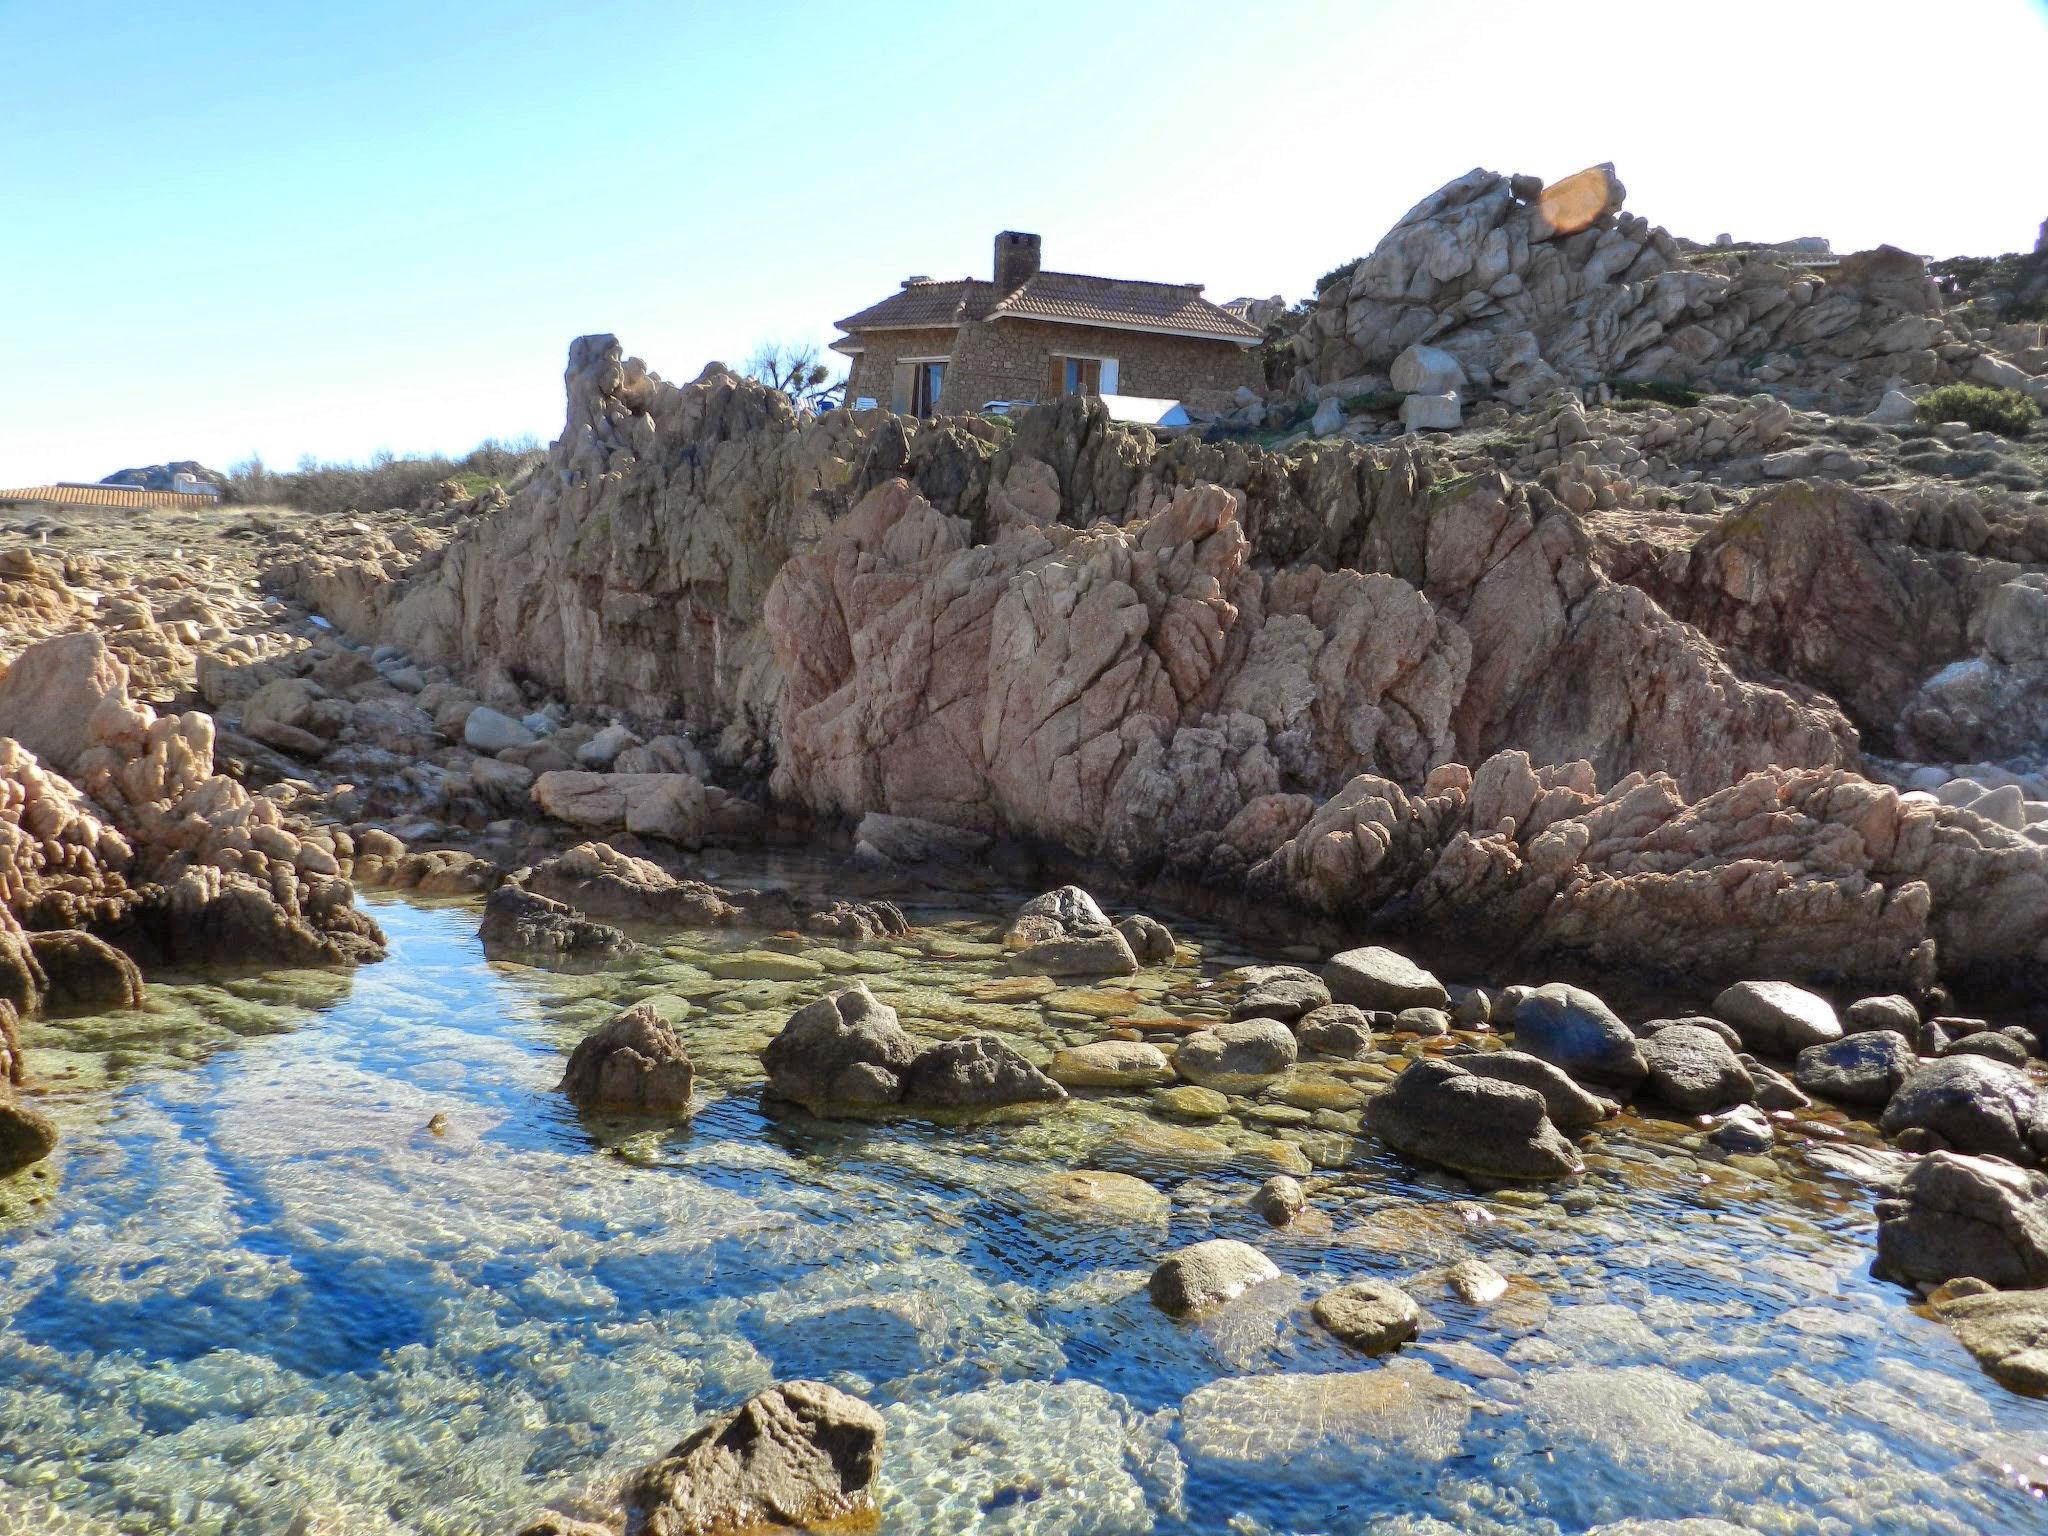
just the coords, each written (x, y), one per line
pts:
(1092, 1194)
(1370, 1315)
(1207, 1274)
(1336, 1029)
(1149, 1144)
(1110, 1064)
(1279, 1200)
(1237, 1056)
(1476, 1282)
(1189, 1102)
(1422, 1021)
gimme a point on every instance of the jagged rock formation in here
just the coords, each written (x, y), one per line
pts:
(1528, 296)
(1199, 661)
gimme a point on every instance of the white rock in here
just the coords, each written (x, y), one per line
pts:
(1432, 413)
(1427, 371)
(603, 749)
(486, 730)
(1896, 409)
(1999, 373)
(1960, 792)
(2004, 805)
(1928, 776)
(1328, 418)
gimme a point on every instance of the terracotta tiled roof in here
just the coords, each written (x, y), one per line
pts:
(1124, 302)
(1071, 297)
(107, 496)
(947, 301)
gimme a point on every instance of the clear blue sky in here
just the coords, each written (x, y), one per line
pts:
(282, 228)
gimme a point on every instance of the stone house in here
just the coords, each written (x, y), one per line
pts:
(955, 344)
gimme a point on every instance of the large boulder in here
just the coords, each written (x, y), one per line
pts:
(49, 692)
(799, 1456)
(490, 731)
(1571, 1028)
(519, 924)
(1864, 1068)
(1776, 1018)
(1958, 1216)
(1693, 1069)
(1569, 1106)
(1103, 953)
(1370, 1315)
(85, 973)
(1971, 1104)
(27, 1135)
(1238, 1055)
(1380, 979)
(1208, 1273)
(976, 1072)
(845, 1049)
(1440, 1113)
(635, 1063)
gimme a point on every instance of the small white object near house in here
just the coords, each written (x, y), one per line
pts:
(1143, 411)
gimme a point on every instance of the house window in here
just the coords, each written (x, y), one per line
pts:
(1080, 375)
(918, 386)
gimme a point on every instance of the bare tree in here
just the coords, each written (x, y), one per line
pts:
(794, 368)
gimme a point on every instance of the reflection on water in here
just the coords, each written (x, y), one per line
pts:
(267, 1292)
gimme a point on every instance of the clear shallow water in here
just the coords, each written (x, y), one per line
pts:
(265, 1297)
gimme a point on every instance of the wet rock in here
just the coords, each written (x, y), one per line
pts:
(1206, 1274)
(844, 1048)
(85, 974)
(1959, 1216)
(1059, 913)
(635, 1063)
(1569, 1106)
(1370, 1315)
(1476, 1282)
(1650, 1028)
(1336, 1029)
(1150, 940)
(518, 924)
(978, 1072)
(1279, 1200)
(433, 872)
(1693, 1070)
(1441, 1113)
(1863, 1068)
(1889, 1012)
(1991, 1045)
(1776, 1018)
(799, 1455)
(1284, 992)
(1472, 1009)
(2007, 1333)
(1377, 978)
(1091, 1194)
(1970, 1104)
(1110, 1064)
(1092, 954)
(1238, 1055)
(1774, 1090)
(27, 1135)
(1190, 1102)
(1743, 1129)
(1571, 1028)
(1384, 1423)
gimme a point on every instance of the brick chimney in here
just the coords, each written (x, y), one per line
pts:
(1016, 260)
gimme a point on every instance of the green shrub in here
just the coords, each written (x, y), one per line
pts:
(1338, 274)
(2025, 311)
(1654, 391)
(2004, 411)
(1377, 400)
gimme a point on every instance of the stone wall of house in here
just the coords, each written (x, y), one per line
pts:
(1007, 360)
(874, 372)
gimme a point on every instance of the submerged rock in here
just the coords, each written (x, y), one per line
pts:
(635, 1063)
(1370, 1315)
(801, 1455)
(1441, 1113)
(1110, 1064)
(1383, 1423)
(1092, 1194)
(1208, 1273)
(1965, 1216)
(2007, 1333)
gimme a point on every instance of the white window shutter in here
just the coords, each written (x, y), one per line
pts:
(1109, 376)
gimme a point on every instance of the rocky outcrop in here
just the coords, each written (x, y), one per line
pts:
(634, 1063)
(799, 1456)
(523, 925)
(1965, 1216)
(1528, 288)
